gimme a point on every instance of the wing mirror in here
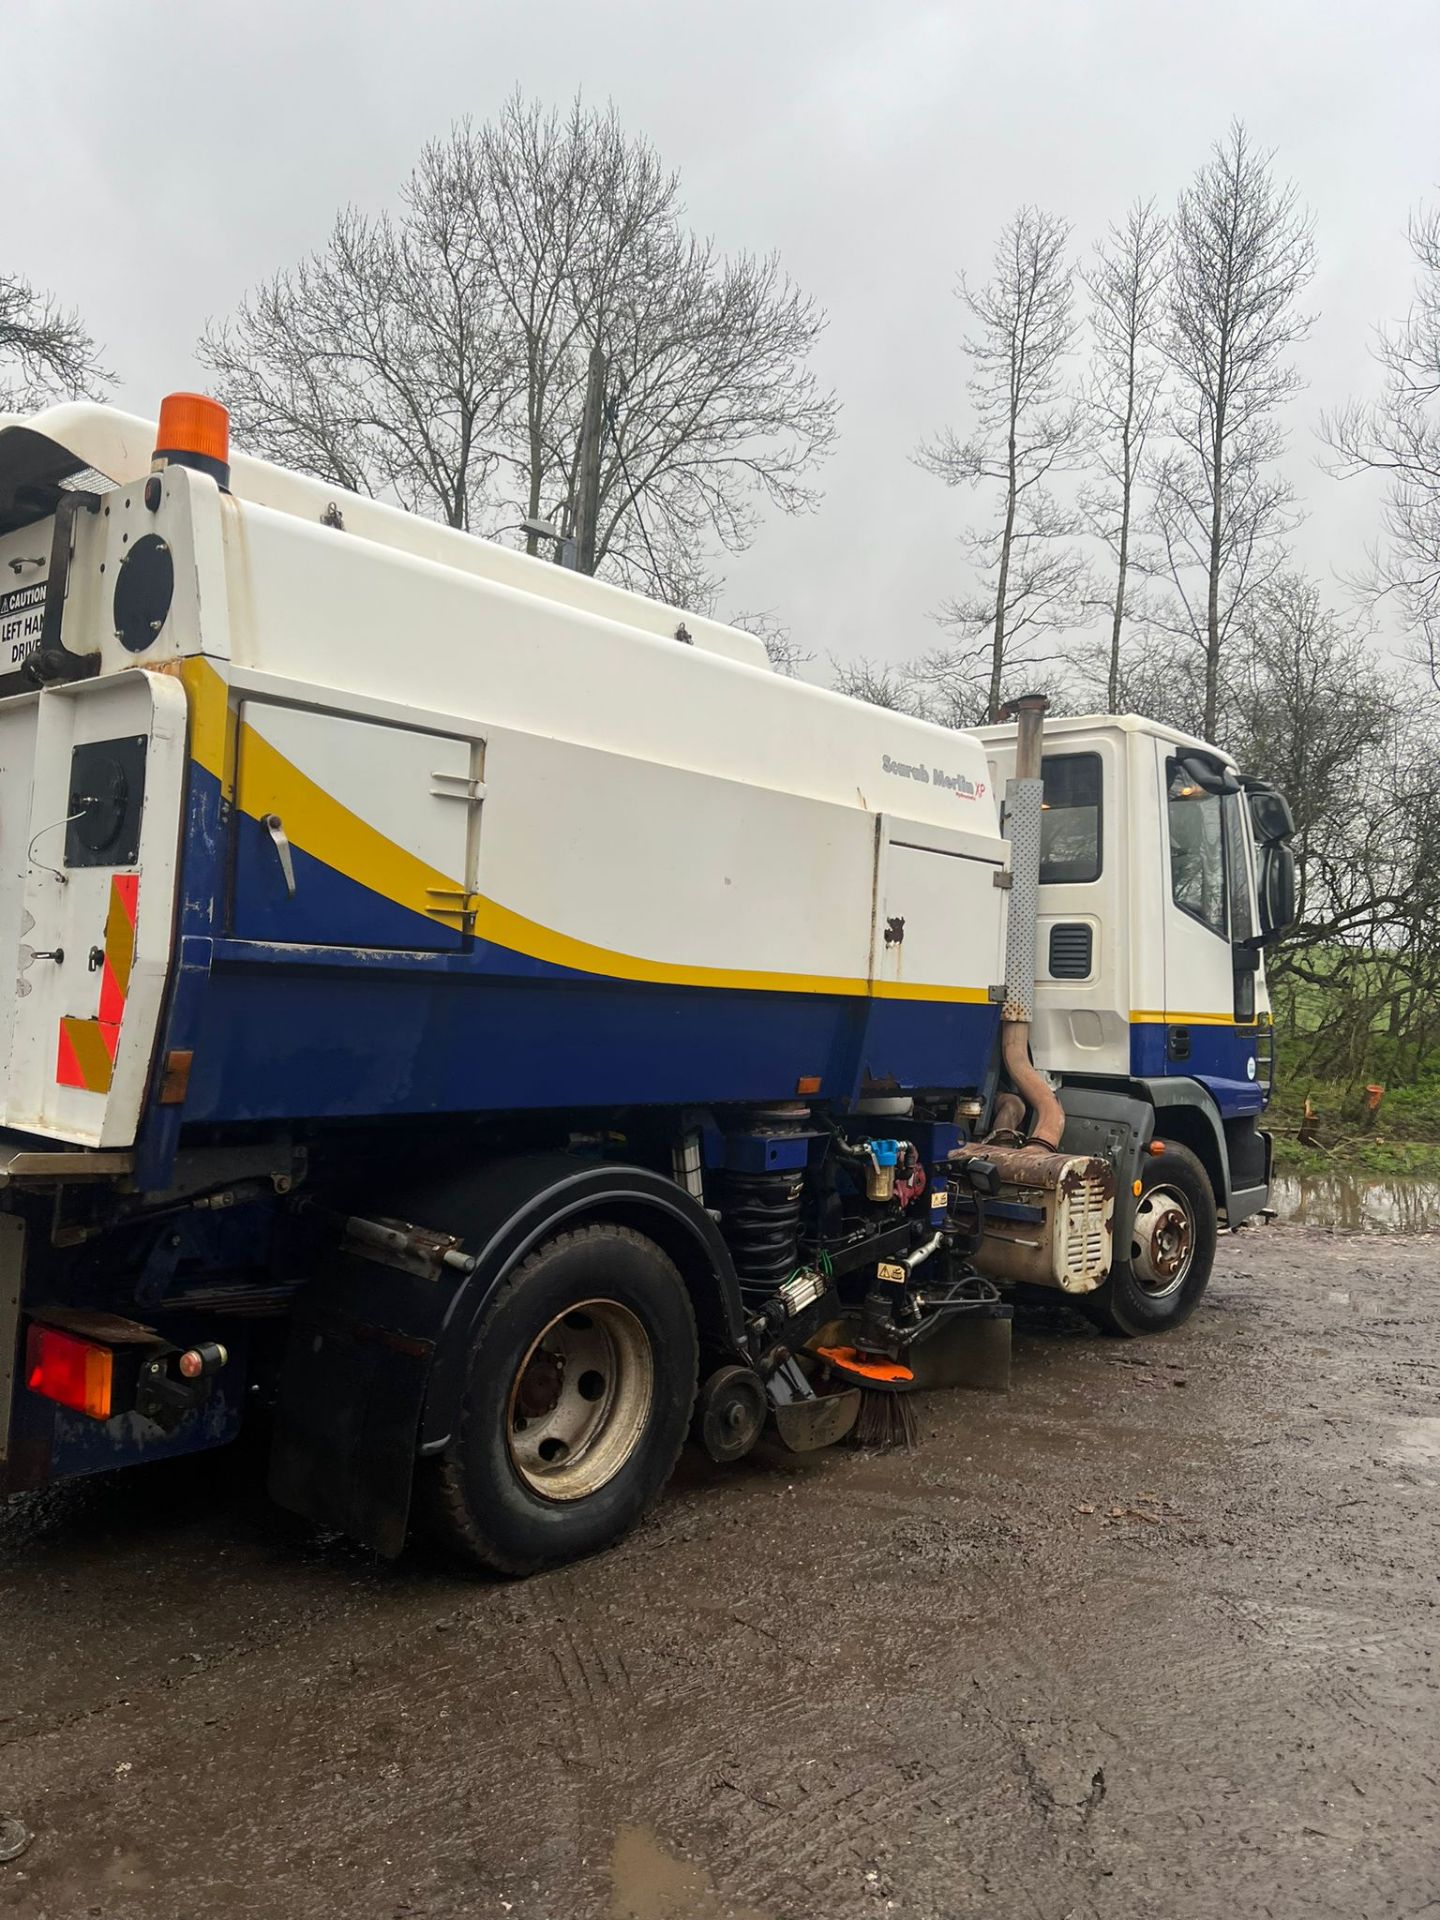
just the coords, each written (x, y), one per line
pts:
(1207, 775)
(1270, 816)
(1275, 890)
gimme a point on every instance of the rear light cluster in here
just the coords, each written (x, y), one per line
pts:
(74, 1373)
(154, 1380)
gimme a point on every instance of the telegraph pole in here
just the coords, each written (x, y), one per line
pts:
(587, 506)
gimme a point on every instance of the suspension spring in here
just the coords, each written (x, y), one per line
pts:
(761, 1224)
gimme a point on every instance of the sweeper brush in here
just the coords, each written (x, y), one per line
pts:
(885, 1422)
(886, 1418)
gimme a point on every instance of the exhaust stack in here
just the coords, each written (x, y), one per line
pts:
(1024, 796)
(1041, 1216)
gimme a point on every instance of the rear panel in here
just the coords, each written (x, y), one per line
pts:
(91, 780)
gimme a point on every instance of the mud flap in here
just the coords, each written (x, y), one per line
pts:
(347, 1427)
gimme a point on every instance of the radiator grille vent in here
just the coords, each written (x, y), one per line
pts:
(1085, 1255)
(1071, 948)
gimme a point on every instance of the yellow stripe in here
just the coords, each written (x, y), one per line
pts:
(318, 823)
(119, 941)
(211, 734)
(927, 990)
(1199, 1020)
(508, 929)
(91, 1052)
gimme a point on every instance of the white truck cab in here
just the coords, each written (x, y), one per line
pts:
(1163, 875)
(1147, 908)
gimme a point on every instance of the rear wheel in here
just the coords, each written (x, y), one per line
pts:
(578, 1398)
(1166, 1268)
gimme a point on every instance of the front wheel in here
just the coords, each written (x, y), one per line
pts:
(580, 1389)
(1157, 1282)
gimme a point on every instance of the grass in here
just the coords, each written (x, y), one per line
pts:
(1379, 1159)
(1401, 1141)
(1332, 1041)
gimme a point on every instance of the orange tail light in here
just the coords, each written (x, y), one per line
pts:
(73, 1373)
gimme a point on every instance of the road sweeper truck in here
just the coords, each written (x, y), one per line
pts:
(487, 1025)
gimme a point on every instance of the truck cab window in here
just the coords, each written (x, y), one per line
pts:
(1070, 824)
(1197, 850)
(1242, 909)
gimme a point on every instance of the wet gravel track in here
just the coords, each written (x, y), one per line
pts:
(1155, 1635)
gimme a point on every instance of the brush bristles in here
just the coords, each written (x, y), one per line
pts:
(886, 1421)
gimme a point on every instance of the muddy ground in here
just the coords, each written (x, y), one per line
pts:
(1155, 1635)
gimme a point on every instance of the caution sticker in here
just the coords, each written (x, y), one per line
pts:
(22, 612)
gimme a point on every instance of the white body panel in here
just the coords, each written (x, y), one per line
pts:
(433, 718)
(402, 782)
(929, 891)
(49, 908)
(737, 805)
(119, 446)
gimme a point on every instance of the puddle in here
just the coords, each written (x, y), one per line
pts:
(1359, 1203)
(647, 1883)
(1418, 1442)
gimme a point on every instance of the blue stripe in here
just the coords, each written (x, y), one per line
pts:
(328, 909)
(315, 1041)
(1217, 1059)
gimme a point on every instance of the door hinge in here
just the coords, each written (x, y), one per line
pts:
(456, 786)
(452, 903)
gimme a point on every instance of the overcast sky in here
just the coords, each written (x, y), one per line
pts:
(162, 156)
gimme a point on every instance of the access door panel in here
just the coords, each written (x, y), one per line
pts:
(352, 833)
(940, 922)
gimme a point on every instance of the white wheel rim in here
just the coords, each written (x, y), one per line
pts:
(1162, 1243)
(579, 1400)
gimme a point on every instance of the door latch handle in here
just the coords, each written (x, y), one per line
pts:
(283, 854)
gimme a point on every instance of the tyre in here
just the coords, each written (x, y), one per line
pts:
(578, 1397)
(1171, 1252)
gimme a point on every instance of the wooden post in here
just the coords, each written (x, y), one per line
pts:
(587, 508)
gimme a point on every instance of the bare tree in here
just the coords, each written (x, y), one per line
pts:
(537, 336)
(1308, 706)
(785, 653)
(1027, 430)
(1127, 283)
(1398, 435)
(878, 682)
(571, 217)
(1243, 255)
(45, 352)
(1162, 681)
(376, 363)
(1311, 707)
(947, 685)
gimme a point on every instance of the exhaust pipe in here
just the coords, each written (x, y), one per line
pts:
(1023, 809)
(1064, 1238)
